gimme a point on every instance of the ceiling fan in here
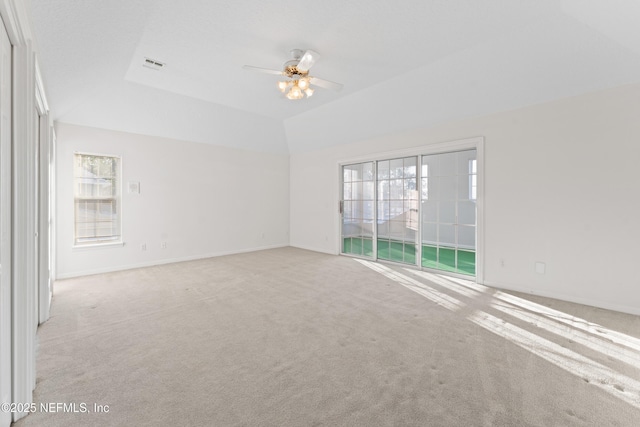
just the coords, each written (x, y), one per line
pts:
(297, 81)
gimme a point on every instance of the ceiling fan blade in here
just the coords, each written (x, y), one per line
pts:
(308, 59)
(325, 84)
(262, 70)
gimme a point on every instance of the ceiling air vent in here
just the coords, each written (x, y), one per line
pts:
(153, 64)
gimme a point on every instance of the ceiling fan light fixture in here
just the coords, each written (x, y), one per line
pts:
(297, 81)
(283, 86)
(295, 92)
(303, 83)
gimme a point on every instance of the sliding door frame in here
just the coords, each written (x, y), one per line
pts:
(476, 143)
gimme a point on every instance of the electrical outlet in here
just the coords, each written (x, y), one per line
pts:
(163, 245)
(143, 247)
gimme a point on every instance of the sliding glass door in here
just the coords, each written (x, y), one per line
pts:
(418, 210)
(448, 199)
(357, 207)
(397, 210)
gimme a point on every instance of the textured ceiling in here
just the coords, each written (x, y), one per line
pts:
(403, 64)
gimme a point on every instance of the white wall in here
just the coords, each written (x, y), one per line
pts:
(203, 200)
(561, 187)
(135, 108)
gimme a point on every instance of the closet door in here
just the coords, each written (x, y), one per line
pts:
(449, 211)
(5, 223)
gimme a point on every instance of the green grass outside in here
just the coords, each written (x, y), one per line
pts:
(432, 257)
(467, 262)
(397, 251)
(445, 259)
(358, 246)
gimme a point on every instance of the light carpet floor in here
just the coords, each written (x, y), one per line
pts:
(288, 337)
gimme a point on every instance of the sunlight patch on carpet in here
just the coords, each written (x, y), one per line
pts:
(605, 378)
(417, 287)
(606, 341)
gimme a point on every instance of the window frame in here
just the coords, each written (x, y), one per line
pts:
(116, 239)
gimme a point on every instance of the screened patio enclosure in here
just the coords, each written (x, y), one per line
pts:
(418, 210)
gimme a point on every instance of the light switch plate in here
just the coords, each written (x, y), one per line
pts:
(133, 187)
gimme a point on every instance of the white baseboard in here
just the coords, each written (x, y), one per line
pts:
(309, 248)
(570, 298)
(112, 269)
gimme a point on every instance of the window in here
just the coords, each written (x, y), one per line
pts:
(97, 199)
